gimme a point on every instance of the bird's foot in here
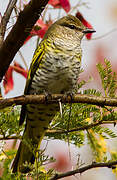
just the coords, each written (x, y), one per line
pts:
(69, 96)
(48, 96)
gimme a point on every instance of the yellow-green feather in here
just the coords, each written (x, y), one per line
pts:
(35, 64)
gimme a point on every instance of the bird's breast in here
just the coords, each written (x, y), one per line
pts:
(58, 74)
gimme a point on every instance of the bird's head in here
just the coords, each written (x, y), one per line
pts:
(68, 28)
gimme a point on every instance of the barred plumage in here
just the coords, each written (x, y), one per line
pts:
(54, 69)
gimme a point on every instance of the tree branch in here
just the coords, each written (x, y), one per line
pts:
(51, 131)
(78, 98)
(15, 39)
(82, 128)
(85, 168)
(5, 19)
(10, 137)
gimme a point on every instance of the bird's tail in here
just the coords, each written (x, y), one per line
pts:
(25, 156)
(35, 129)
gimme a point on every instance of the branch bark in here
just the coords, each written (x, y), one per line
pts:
(10, 137)
(78, 98)
(51, 131)
(15, 39)
(82, 128)
(85, 168)
(5, 19)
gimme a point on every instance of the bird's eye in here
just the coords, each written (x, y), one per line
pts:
(72, 27)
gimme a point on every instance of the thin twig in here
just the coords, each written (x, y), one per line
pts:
(79, 4)
(85, 168)
(5, 154)
(51, 131)
(104, 35)
(9, 138)
(22, 57)
(5, 19)
(82, 128)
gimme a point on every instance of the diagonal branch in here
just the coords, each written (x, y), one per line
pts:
(82, 128)
(51, 131)
(15, 39)
(55, 98)
(6, 16)
(85, 168)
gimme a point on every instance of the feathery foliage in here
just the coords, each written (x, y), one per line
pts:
(74, 127)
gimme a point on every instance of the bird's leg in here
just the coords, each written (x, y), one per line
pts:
(48, 96)
(69, 96)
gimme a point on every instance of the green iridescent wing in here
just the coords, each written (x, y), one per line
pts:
(36, 61)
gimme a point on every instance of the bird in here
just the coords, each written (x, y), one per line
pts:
(54, 69)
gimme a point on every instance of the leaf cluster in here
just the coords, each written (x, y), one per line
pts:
(9, 122)
(73, 126)
(78, 116)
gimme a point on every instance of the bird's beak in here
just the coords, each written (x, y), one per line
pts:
(88, 30)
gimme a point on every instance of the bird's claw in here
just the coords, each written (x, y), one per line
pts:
(48, 97)
(69, 96)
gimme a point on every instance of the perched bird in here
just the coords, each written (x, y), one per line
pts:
(54, 69)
